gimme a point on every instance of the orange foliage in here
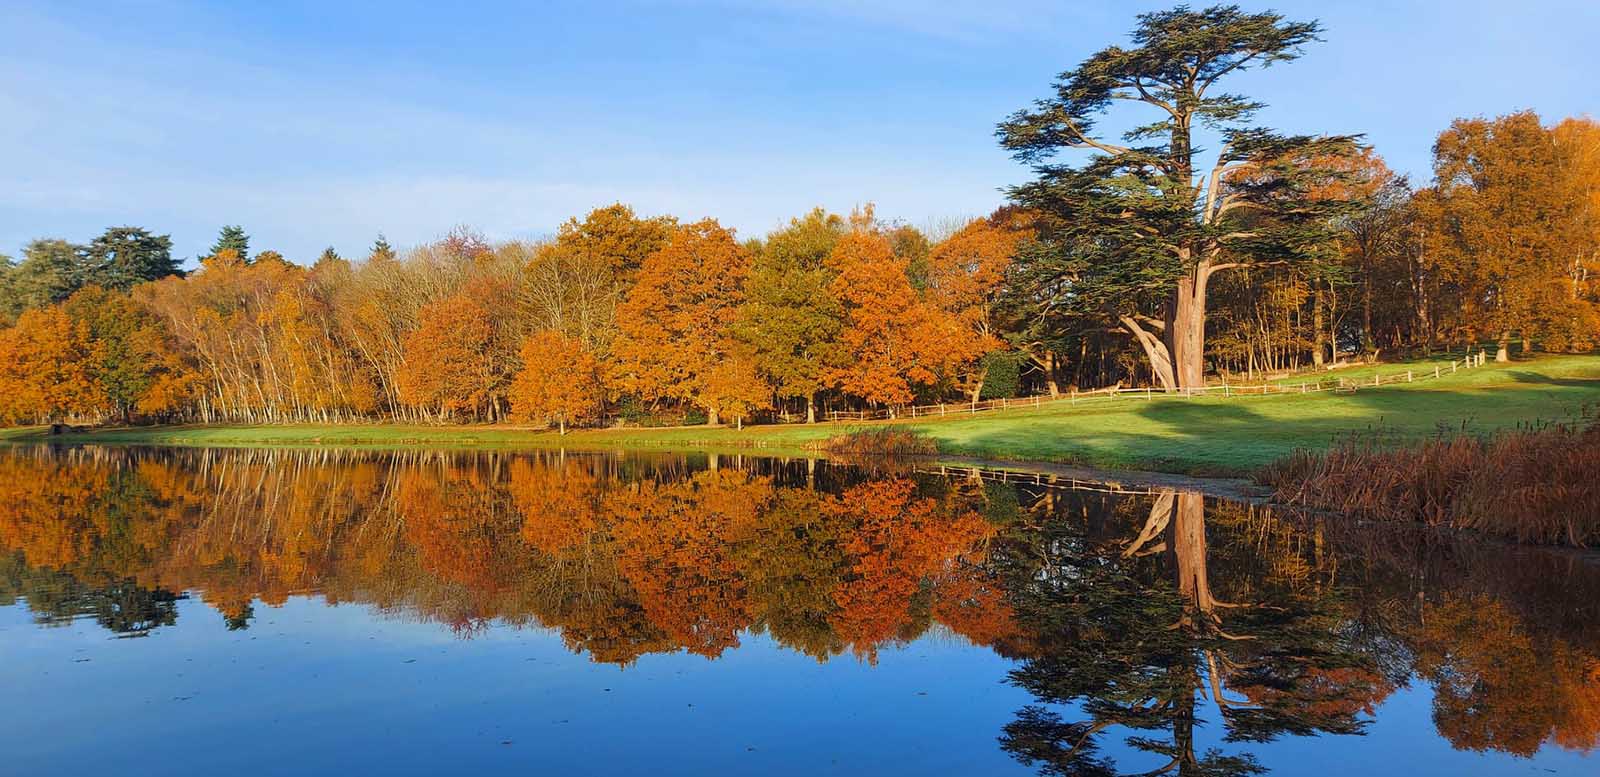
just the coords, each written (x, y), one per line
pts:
(965, 275)
(1496, 689)
(675, 549)
(559, 382)
(454, 361)
(674, 327)
(899, 541)
(45, 368)
(560, 504)
(890, 334)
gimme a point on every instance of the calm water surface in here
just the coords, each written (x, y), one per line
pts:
(293, 612)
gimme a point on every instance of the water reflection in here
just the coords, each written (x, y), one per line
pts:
(1156, 633)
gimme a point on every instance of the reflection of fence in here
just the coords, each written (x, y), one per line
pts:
(1338, 384)
(1038, 479)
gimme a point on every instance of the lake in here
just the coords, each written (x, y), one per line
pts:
(198, 611)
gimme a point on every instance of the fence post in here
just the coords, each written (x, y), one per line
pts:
(1375, 381)
(941, 408)
(1074, 397)
(1226, 391)
(1435, 370)
(1035, 400)
(1147, 395)
(1408, 376)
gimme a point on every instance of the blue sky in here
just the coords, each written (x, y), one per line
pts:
(313, 125)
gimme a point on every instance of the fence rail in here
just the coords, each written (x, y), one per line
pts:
(1339, 384)
(1044, 480)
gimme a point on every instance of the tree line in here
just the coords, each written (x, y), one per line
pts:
(1132, 259)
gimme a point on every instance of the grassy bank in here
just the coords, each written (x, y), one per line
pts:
(1214, 436)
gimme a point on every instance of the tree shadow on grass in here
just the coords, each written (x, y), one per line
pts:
(1524, 376)
(1233, 437)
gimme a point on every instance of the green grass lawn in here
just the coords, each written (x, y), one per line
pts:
(20, 432)
(1214, 436)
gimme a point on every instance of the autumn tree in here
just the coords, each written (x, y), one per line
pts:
(889, 331)
(1578, 142)
(674, 327)
(559, 382)
(791, 319)
(132, 361)
(1153, 225)
(45, 368)
(1497, 223)
(1373, 235)
(574, 284)
(964, 279)
(454, 361)
(733, 389)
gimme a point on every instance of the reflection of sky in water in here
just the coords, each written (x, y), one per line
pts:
(331, 686)
(312, 688)
(318, 689)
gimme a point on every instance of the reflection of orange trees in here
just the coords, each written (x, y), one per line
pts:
(657, 560)
(559, 502)
(901, 540)
(676, 549)
(973, 604)
(46, 509)
(1498, 688)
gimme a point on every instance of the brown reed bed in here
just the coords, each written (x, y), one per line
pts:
(1536, 484)
(879, 441)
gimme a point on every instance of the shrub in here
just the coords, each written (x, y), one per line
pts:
(880, 441)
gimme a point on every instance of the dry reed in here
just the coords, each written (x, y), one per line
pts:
(1538, 484)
